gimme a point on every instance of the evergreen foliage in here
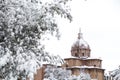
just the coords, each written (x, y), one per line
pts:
(22, 26)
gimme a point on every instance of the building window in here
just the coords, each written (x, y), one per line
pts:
(82, 54)
(94, 65)
(76, 54)
(66, 65)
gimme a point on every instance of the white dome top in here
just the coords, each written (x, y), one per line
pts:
(81, 43)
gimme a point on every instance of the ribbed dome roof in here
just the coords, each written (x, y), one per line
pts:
(80, 42)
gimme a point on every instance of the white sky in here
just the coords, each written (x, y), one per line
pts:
(99, 21)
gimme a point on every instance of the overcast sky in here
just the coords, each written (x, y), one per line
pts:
(99, 21)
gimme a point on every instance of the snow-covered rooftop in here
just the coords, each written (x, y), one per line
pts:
(83, 58)
(85, 67)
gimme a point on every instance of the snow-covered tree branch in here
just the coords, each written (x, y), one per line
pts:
(22, 25)
(54, 73)
(115, 74)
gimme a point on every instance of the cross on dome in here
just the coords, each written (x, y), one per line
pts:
(79, 34)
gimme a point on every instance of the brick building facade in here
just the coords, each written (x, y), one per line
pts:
(81, 60)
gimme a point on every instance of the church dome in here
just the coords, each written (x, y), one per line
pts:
(80, 42)
(80, 48)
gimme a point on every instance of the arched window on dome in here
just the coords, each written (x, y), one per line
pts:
(76, 54)
(83, 54)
